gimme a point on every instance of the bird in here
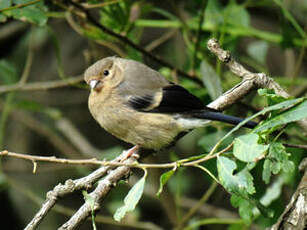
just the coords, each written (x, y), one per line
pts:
(140, 106)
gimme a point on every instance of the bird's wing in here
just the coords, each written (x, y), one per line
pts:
(170, 99)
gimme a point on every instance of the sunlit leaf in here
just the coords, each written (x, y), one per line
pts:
(131, 200)
(247, 149)
(241, 182)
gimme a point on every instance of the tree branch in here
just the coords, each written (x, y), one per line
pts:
(40, 85)
(294, 216)
(84, 183)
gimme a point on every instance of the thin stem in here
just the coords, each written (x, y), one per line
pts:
(26, 71)
(199, 29)
(200, 203)
(214, 221)
(20, 5)
(41, 85)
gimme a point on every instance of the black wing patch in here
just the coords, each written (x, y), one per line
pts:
(140, 103)
(177, 99)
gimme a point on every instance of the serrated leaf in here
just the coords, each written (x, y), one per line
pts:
(276, 160)
(239, 183)
(163, 180)
(131, 200)
(211, 80)
(258, 51)
(247, 149)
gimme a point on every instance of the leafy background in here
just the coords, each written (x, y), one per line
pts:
(47, 40)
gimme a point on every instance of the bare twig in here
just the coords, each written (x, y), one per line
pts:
(41, 85)
(70, 186)
(102, 189)
(249, 81)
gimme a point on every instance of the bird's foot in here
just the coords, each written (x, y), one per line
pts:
(133, 152)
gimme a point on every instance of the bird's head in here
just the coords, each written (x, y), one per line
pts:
(104, 71)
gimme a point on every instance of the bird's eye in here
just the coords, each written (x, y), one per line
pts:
(106, 72)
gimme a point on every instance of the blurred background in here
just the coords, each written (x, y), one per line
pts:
(46, 42)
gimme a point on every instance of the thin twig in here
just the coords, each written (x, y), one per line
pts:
(26, 71)
(198, 36)
(99, 5)
(198, 205)
(20, 5)
(84, 183)
(249, 81)
(33, 86)
(102, 189)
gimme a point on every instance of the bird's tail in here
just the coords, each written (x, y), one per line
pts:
(216, 116)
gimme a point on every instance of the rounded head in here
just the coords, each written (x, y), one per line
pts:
(97, 72)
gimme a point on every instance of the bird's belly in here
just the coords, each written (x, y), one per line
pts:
(148, 130)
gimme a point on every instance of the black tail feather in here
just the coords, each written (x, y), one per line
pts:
(216, 116)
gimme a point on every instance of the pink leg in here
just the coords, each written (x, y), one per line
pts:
(131, 152)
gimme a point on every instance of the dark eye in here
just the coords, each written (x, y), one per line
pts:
(106, 72)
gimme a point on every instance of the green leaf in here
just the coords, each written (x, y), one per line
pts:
(271, 96)
(131, 200)
(213, 14)
(247, 149)
(282, 105)
(29, 14)
(245, 208)
(236, 15)
(239, 183)
(272, 192)
(91, 201)
(163, 180)
(258, 50)
(266, 173)
(5, 4)
(276, 160)
(8, 72)
(296, 113)
(211, 80)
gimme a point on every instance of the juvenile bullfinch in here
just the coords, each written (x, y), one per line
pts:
(138, 105)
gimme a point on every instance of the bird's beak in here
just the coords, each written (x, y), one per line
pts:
(93, 83)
